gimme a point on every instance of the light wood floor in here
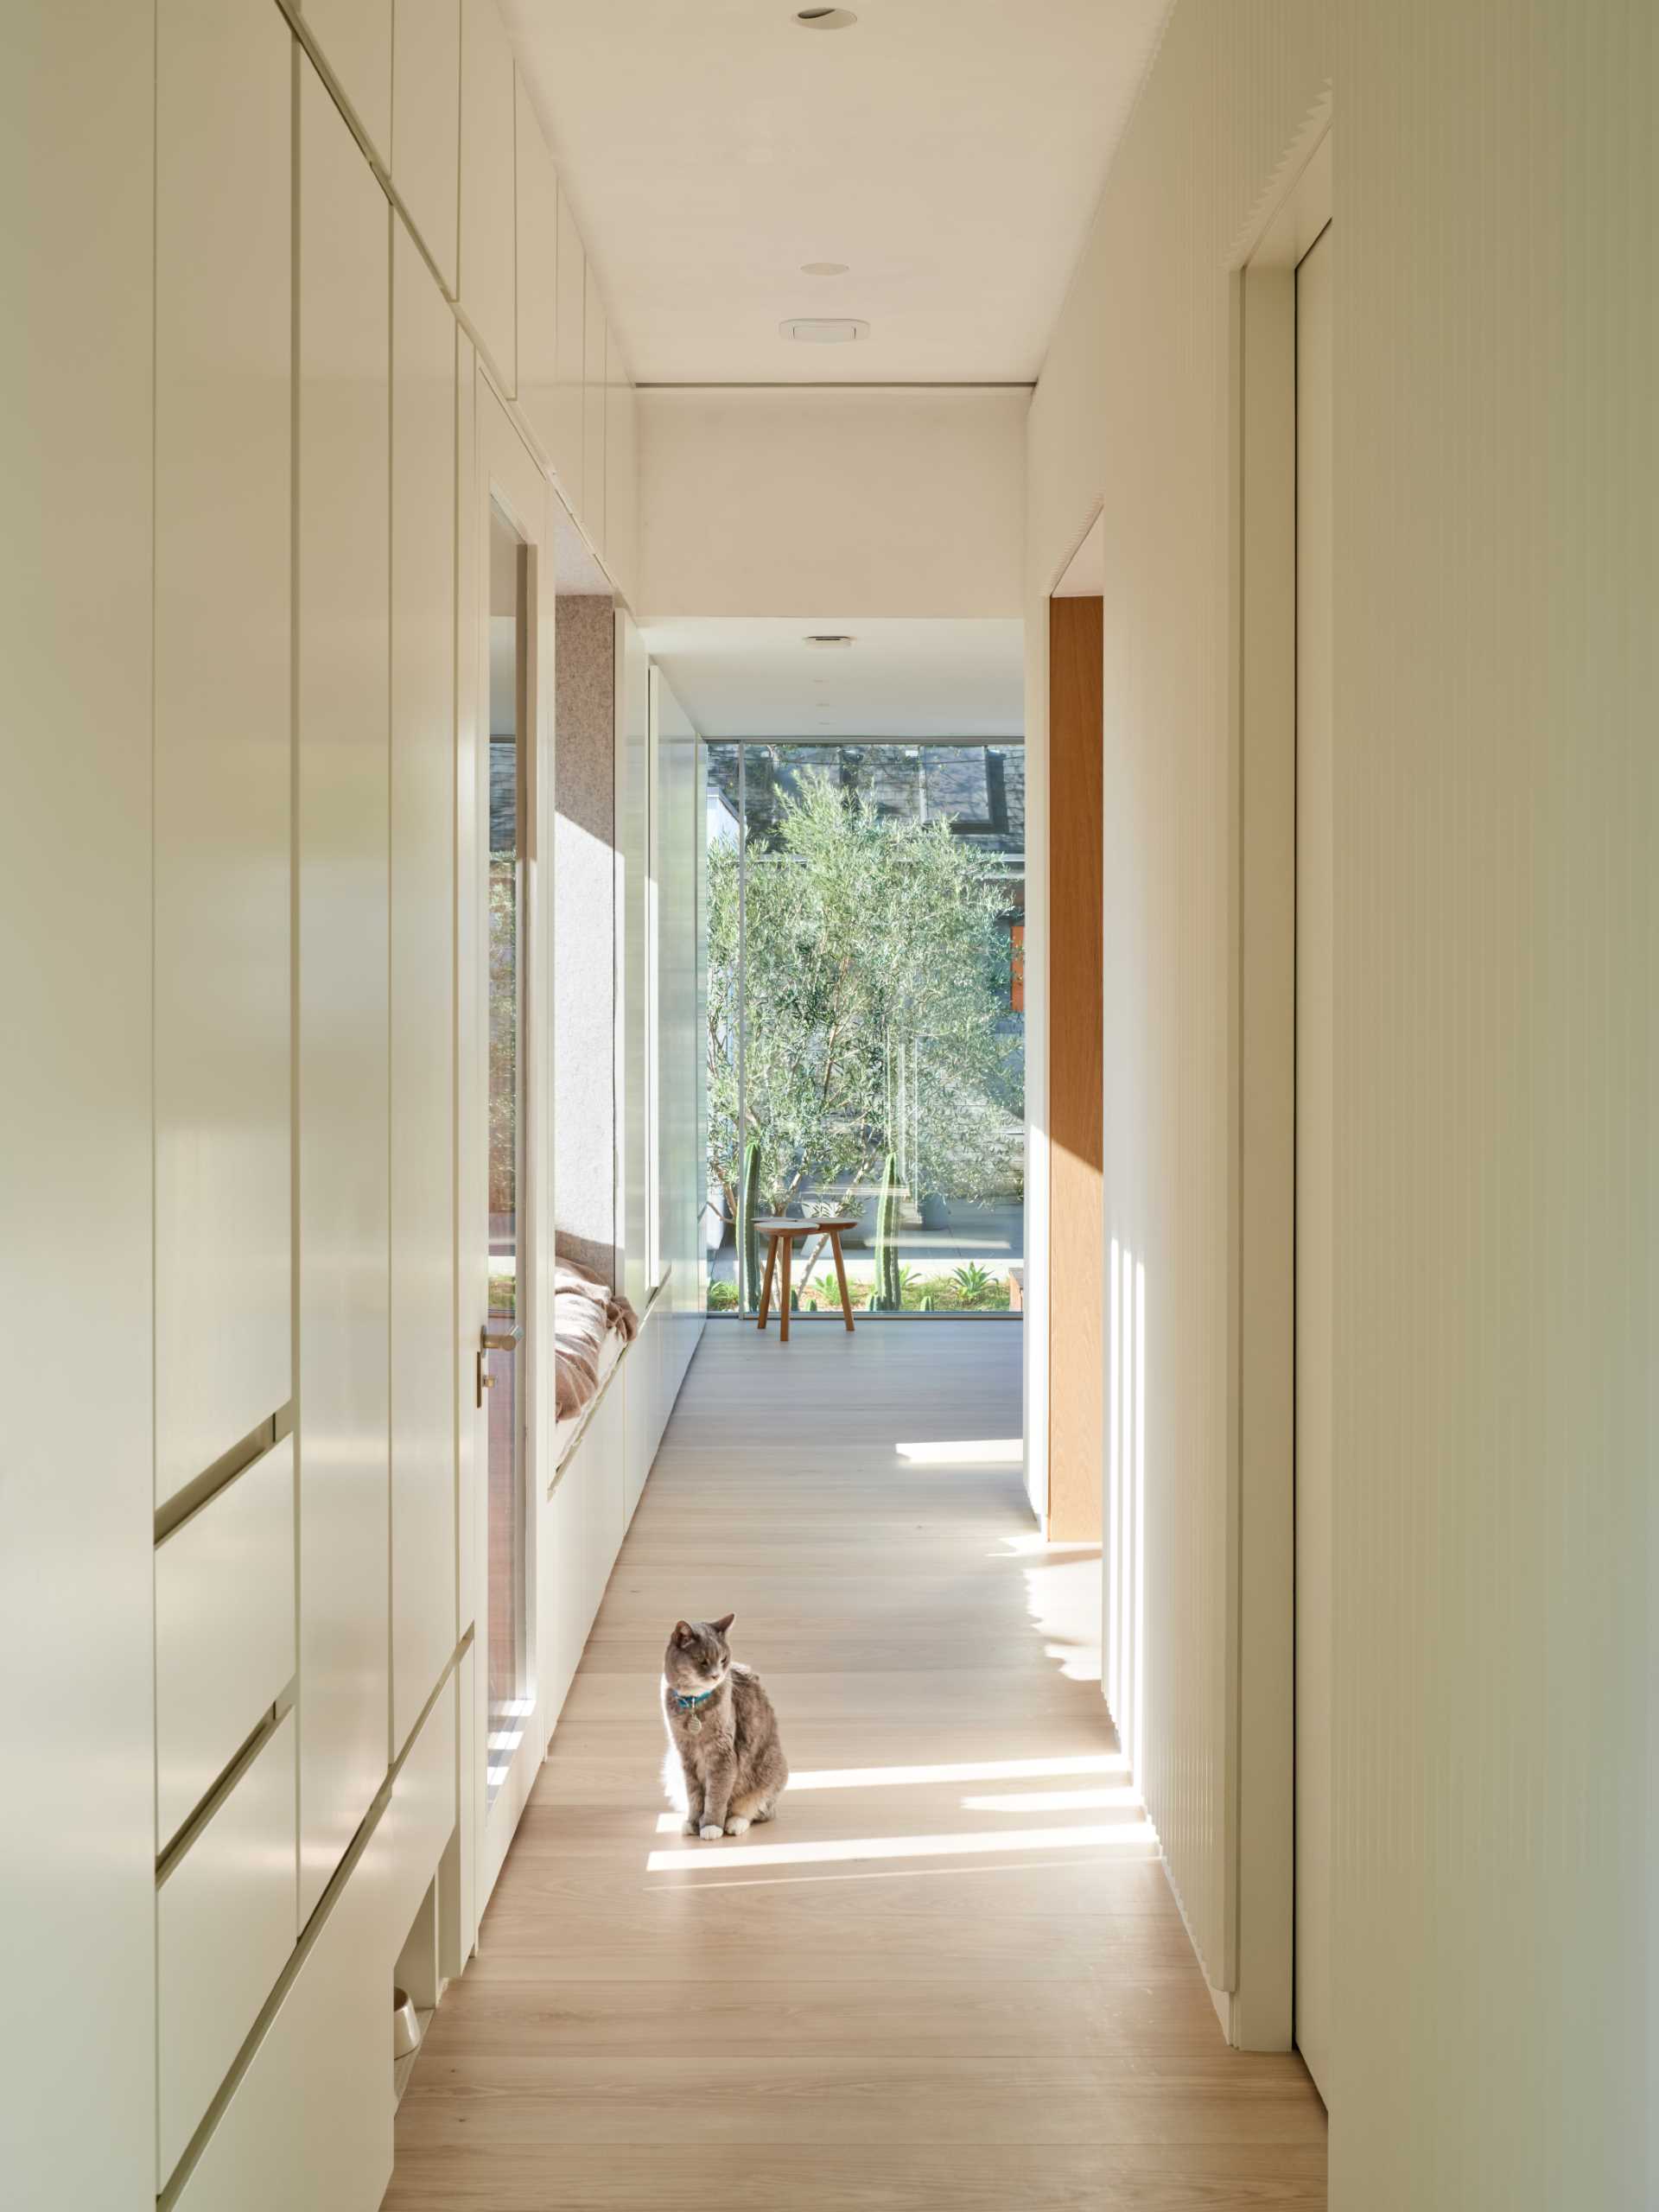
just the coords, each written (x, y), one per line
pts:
(950, 1976)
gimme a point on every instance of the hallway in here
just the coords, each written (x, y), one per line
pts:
(941, 1980)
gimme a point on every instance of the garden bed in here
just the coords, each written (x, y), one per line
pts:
(963, 1290)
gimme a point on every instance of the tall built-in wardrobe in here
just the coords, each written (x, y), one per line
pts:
(320, 311)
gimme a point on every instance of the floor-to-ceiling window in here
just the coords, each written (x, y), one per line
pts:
(866, 1019)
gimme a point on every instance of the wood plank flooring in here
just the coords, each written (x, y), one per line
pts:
(950, 1976)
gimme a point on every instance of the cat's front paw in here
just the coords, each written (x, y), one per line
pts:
(690, 1828)
(710, 1832)
(737, 1828)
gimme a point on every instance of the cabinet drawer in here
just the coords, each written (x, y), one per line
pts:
(224, 1928)
(224, 1630)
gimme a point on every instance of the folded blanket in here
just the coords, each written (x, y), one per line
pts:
(584, 1307)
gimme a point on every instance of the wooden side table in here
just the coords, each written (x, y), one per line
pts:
(779, 1231)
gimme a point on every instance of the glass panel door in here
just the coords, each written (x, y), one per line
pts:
(866, 1019)
(502, 1354)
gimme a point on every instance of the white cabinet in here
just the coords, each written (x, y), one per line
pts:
(224, 1630)
(539, 277)
(354, 38)
(417, 1823)
(423, 830)
(224, 1928)
(570, 356)
(222, 767)
(310, 2123)
(344, 952)
(78, 124)
(426, 124)
(591, 512)
(488, 276)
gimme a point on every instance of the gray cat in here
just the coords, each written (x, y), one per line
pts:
(722, 1730)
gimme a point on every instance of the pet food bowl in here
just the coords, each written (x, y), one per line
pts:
(405, 2028)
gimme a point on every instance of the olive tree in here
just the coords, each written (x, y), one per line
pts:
(875, 972)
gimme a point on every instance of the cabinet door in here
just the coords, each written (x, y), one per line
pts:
(354, 38)
(538, 278)
(224, 1930)
(422, 983)
(426, 124)
(224, 1631)
(488, 276)
(223, 435)
(344, 951)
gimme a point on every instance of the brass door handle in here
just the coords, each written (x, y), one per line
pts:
(489, 1340)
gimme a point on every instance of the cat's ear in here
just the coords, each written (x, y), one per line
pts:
(682, 1632)
(722, 1625)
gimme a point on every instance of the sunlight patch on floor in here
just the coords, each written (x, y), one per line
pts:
(977, 1452)
(1063, 1595)
(877, 1778)
(830, 1850)
(1055, 1801)
(933, 1871)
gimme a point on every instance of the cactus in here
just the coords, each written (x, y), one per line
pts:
(748, 1236)
(889, 1294)
(925, 1304)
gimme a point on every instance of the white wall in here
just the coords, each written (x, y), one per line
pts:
(879, 501)
(77, 1801)
(1498, 1183)
(1497, 1681)
(1132, 406)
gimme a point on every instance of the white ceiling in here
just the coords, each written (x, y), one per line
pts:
(949, 151)
(754, 677)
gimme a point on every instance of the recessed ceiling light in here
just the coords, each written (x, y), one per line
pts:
(825, 19)
(824, 330)
(824, 268)
(828, 638)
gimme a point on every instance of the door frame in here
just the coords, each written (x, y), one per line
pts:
(505, 473)
(1255, 1994)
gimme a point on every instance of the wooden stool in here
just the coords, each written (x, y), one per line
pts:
(778, 1231)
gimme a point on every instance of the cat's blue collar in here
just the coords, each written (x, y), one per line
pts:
(690, 1704)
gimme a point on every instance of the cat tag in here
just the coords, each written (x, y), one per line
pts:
(697, 1725)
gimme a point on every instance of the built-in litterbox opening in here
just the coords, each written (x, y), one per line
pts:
(416, 1985)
